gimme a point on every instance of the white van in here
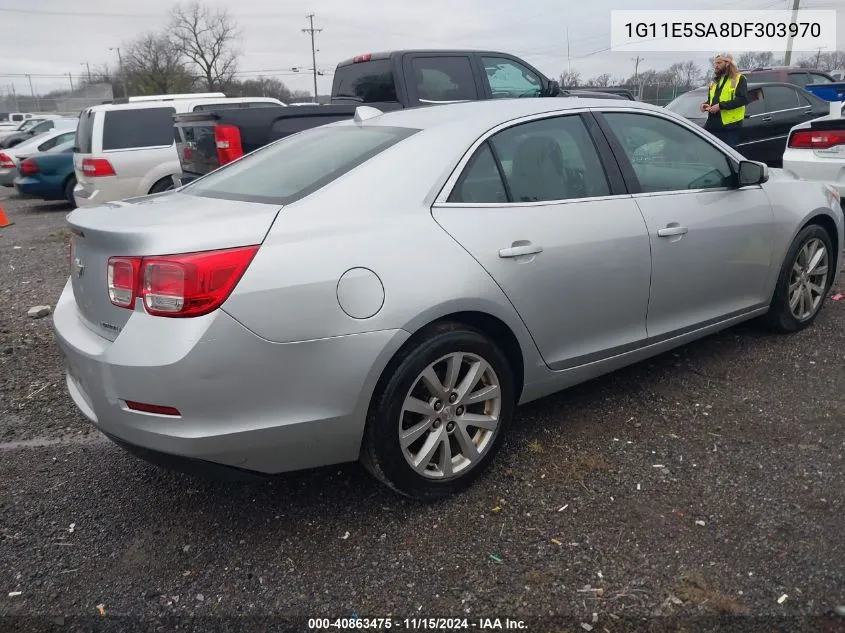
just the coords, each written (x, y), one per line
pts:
(128, 149)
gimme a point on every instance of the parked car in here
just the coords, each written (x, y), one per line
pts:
(788, 74)
(815, 150)
(15, 128)
(389, 81)
(776, 108)
(127, 149)
(12, 157)
(48, 175)
(39, 127)
(330, 297)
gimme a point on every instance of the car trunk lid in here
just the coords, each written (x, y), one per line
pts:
(164, 224)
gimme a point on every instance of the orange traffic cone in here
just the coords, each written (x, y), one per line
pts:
(4, 221)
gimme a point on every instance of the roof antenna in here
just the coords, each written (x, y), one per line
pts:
(364, 113)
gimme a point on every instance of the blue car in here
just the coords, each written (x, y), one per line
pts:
(48, 175)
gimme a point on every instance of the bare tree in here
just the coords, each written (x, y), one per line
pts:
(207, 40)
(153, 65)
(823, 61)
(601, 81)
(264, 87)
(570, 79)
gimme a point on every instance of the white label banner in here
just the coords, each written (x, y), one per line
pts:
(722, 30)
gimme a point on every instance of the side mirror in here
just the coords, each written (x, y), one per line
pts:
(552, 88)
(752, 173)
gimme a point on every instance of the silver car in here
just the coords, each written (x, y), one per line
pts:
(390, 287)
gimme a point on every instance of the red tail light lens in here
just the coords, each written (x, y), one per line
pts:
(28, 167)
(817, 139)
(123, 281)
(227, 138)
(97, 167)
(6, 161)
(187, 154)
(362, 58)
(186, 285)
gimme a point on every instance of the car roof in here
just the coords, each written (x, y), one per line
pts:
(473, 118)
(164, 103)
(386, 54)
(752, 85)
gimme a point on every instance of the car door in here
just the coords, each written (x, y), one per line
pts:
(753, 133)
(711, 242)
(552, 224)
(784, 110)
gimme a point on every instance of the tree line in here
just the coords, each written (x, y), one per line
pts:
(683, 76)
(197, 51)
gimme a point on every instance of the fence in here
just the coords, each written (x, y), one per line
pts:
(58, 103)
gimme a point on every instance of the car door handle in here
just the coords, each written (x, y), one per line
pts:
(518, 251)
(669, 231)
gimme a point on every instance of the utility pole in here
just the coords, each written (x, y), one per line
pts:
(787, 59)
(32, 90)
(89, 70)
(568, 57)
(637, 61)
(70, 78)
(818, 57)
(15, 96)
(312, 31)
(120, 70)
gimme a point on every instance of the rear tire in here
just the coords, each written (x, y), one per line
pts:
(69, 187)
(803, 283)
(439, 415)
(165, 184)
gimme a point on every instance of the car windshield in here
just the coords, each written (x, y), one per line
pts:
(687, 105)
(296, 166)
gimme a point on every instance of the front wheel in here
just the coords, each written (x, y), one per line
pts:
(70, 185)
(804, 281)
(440, 417)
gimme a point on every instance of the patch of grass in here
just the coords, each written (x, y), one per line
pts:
(692, 587)
(535, 446)
(579, 468)
(62, 235)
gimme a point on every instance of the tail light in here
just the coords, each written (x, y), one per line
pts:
(227, 138)
(97, 167)
(187, 154)
(6, 161)
(817, 139)
(185, 285)
(28, 167)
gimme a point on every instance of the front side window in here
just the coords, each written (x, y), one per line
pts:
(668, 157)
(443, 79)
(508, 79)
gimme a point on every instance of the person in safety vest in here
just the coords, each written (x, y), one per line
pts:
(726, 100)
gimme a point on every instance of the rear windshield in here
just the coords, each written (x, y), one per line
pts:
(293, 168)
(85, 132)
(365, 82)
(688, 104)
(142, 127)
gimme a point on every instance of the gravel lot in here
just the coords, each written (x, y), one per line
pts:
(707, 482)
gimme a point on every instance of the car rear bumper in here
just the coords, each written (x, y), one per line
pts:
(7, 177)
(38, 188)
(807, 166)
(244, 402)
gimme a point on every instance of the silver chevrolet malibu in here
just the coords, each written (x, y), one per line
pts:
(388, 288)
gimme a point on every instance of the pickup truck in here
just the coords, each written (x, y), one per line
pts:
(388, 81)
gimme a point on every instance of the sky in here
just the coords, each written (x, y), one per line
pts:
(50, 38)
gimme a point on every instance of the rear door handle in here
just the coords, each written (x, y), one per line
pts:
(518, 251)
(669, 231)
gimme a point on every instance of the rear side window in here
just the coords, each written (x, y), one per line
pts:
(763, 76)
(781, 98)
(443, 79)
(296, 166)
(365, 82)
(85, 132)
(145, 127)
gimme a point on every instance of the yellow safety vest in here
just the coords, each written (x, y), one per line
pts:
(728, 116)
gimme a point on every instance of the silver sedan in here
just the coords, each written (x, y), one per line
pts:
(389, 288)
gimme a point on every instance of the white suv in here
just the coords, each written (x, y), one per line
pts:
(127, 150)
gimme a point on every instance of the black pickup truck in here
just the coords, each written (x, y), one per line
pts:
(394, 80)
